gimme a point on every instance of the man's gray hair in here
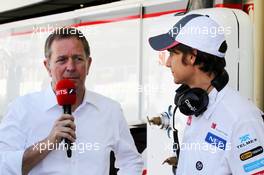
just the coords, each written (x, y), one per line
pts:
(65, 33)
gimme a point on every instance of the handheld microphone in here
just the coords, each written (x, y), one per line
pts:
(66, 97)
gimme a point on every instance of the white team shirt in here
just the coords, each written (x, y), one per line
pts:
(100, 128)
(228, 138)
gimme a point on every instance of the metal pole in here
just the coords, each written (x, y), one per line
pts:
(200, 4)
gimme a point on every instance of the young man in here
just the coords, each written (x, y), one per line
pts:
(34, 125)
(224, 132)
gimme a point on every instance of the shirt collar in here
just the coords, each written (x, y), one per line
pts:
(214, 98)
(50, 98)
(91, 98)
(51, 101)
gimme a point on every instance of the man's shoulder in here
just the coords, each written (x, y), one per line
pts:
(29, 98)
(238, 107)
(101, 100)
(20, 106)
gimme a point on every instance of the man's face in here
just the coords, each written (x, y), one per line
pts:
(68, 61)
(182, 73)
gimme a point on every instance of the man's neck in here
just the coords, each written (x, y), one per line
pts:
(201, 80)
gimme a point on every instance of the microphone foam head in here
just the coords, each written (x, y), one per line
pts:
(65, 92)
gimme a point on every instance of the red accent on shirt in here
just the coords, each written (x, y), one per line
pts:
(189, 121)
(213, 125)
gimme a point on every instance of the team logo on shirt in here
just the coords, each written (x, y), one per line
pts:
(199, 165)
(214, 126)
(254, 165)
(246, 140)
(189, 121)
(215, 140)
(251, 153)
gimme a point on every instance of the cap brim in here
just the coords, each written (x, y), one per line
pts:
(162, 42)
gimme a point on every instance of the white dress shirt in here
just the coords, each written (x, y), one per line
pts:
(100, 128)
(226, 139)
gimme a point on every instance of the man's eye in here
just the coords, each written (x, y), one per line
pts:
(60, 60)
(78, 58)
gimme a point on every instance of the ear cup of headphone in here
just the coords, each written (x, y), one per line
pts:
(193, 101)
(179, 92)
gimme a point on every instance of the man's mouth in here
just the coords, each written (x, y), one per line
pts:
(71, 78)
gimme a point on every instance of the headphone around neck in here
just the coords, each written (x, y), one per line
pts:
(194, 101)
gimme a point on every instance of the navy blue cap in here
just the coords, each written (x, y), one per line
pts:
(168, 40)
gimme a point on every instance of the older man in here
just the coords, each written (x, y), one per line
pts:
(34, 126)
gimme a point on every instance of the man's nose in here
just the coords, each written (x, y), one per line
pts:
(71, 65)
(168, 62)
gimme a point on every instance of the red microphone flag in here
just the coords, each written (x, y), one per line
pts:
(65, 92)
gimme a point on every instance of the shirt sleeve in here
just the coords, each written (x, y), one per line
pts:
(128, 160)
(12, 141)
(246, 155)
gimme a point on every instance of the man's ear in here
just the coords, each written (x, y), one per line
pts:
(47, 65)
(89, 62)
(193, 57)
